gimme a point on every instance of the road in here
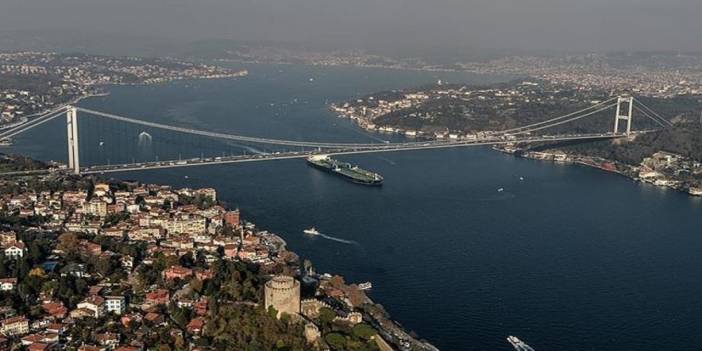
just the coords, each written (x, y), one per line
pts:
(131, 167)
(299, 154)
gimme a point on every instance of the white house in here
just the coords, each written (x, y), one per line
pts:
(95, 304)
(115, 304)
(15, 250)
(8, 284)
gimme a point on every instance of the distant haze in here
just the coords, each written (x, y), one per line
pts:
(373, 24)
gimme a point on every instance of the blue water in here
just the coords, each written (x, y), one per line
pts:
(570, 258)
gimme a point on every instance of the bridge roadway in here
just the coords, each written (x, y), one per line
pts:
(304, 154)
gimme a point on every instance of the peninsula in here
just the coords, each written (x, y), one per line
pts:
(670, 157)
(90, 264)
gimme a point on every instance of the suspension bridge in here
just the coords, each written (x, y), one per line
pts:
(624, 107)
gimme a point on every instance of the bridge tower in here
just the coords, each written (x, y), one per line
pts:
(629, 100)
(72, 129)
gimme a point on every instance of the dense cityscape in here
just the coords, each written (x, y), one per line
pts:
(146, 266)
(646, 74)
(35, 82)
(94, 265)
(395, 175)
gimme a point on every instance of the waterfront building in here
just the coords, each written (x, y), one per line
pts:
(232, 218)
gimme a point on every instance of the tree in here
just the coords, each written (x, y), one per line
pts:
(335, 340)
(272, 312)
(68, 242)
(35, 251)
(326, 315)
(37, 272)
(363, 331)
(187, 260)
(180, 316)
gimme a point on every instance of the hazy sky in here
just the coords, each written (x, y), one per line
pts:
(540, 24)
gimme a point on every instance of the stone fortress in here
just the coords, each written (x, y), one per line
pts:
(283, 293)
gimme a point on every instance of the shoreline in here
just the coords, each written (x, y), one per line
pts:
(246, 243)
(311, 64)
(102, 93)
(606, 165)
(390, 331)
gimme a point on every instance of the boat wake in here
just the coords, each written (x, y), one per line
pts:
(339, 240)
(250, 149)
(389, 161)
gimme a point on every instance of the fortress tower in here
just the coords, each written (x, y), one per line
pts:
(283, 293)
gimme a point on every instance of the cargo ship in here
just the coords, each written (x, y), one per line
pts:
(345, 170)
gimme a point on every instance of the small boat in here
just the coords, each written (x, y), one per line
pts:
(521, 178)
(500, 190)
(513, 340)
(518, 344)
(365, 286)
(311, 231)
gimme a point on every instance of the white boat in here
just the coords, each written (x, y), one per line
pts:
(311, 231)
(513, 340)
(518, 344)
(365, 286)
(500, 190)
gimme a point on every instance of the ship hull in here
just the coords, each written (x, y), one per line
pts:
(356, 180)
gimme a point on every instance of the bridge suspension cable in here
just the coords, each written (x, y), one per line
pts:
(647, 115)
(663, 119)
(33, 123)
(517, 129)
(241, 138)
(565, 121)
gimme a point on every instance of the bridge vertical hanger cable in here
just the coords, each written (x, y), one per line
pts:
(643, 112)
(525, 129)
(231, 136)
(662, 123)
(654, 112)
(560, 117)
(565, 121)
